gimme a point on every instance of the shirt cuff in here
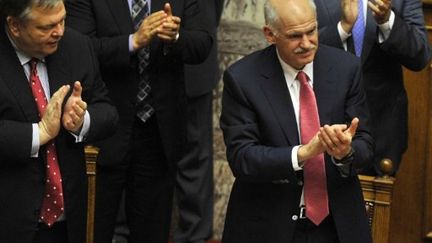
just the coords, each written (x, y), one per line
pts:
(84, 130)
(294, 158)
(34, 153)
(343, 35)
(131, 43)
(386, 28)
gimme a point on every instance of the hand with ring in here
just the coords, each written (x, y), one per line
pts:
(148, 29)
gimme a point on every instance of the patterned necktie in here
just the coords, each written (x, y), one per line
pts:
(53, 204)
(315, 183)
(139, 11)
(359, 29)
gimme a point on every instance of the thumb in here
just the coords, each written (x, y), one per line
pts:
(167, 9)
(353, 127)
(77, 89)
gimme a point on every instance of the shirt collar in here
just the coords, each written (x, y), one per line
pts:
(291, 72)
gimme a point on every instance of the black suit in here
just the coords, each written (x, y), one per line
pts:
(21, 176)
(382, 64)
(260, 131)
(121, 164)
(195, 170)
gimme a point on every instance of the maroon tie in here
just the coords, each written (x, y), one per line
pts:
(315, 183)
(52, 205)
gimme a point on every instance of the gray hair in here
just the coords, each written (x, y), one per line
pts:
(271, 16)
(22, 8)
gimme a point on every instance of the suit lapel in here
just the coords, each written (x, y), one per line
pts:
(323, 85)
(57, 74)
(276, 91)
(370, 36)
(14, 77)
(121, 14)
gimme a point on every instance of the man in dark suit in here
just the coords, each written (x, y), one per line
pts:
(194, 182)
(41, 137)
(265, 121)
(394, 36)
(142, 156)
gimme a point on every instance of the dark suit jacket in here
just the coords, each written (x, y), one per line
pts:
(260, 130)
(109, 24)
(202, 78)
(382, 64)
(22, 178)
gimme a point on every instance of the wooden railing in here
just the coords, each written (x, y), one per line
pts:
(91, 155)
(377, 193)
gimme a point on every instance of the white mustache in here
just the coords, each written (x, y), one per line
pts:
(301, 50)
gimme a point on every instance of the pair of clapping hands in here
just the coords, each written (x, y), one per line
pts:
(380, 9)
(335, 140)
(161, 24)
(71, 116)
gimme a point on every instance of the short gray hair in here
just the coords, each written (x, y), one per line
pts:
(271, 16)
(22, 8)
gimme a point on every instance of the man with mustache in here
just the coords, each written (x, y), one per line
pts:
(285, 111)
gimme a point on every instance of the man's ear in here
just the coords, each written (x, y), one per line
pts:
(13, 26)
(269, 34)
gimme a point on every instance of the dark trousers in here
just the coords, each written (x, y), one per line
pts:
(194, 181)
(307, 232)
(148, 184)
(55, 234)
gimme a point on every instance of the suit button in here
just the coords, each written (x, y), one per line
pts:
(300, 183)
(294, 217)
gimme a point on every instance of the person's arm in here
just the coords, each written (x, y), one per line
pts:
(114, 50)
(408, 40)
(194, 42)
(249, 157)
(358, 134)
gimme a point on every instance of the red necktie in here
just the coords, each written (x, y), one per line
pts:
(315, 183)
(52, 205)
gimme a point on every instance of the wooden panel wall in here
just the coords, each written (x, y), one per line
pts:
(411, 216)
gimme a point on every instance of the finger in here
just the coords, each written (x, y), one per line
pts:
(353, 127)
(326, 137)
(69, 124)
(167, 32)
(176, 20)
(374, 8)
(156, 18)
(77, 89)
(79, 110)
(332, 134)
(165, 37)
(82, 105)
(170, 26)
(322, 140)
(60, 94)
(167, 9)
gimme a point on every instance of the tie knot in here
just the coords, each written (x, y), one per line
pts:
(302, 77)
(33, 63)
